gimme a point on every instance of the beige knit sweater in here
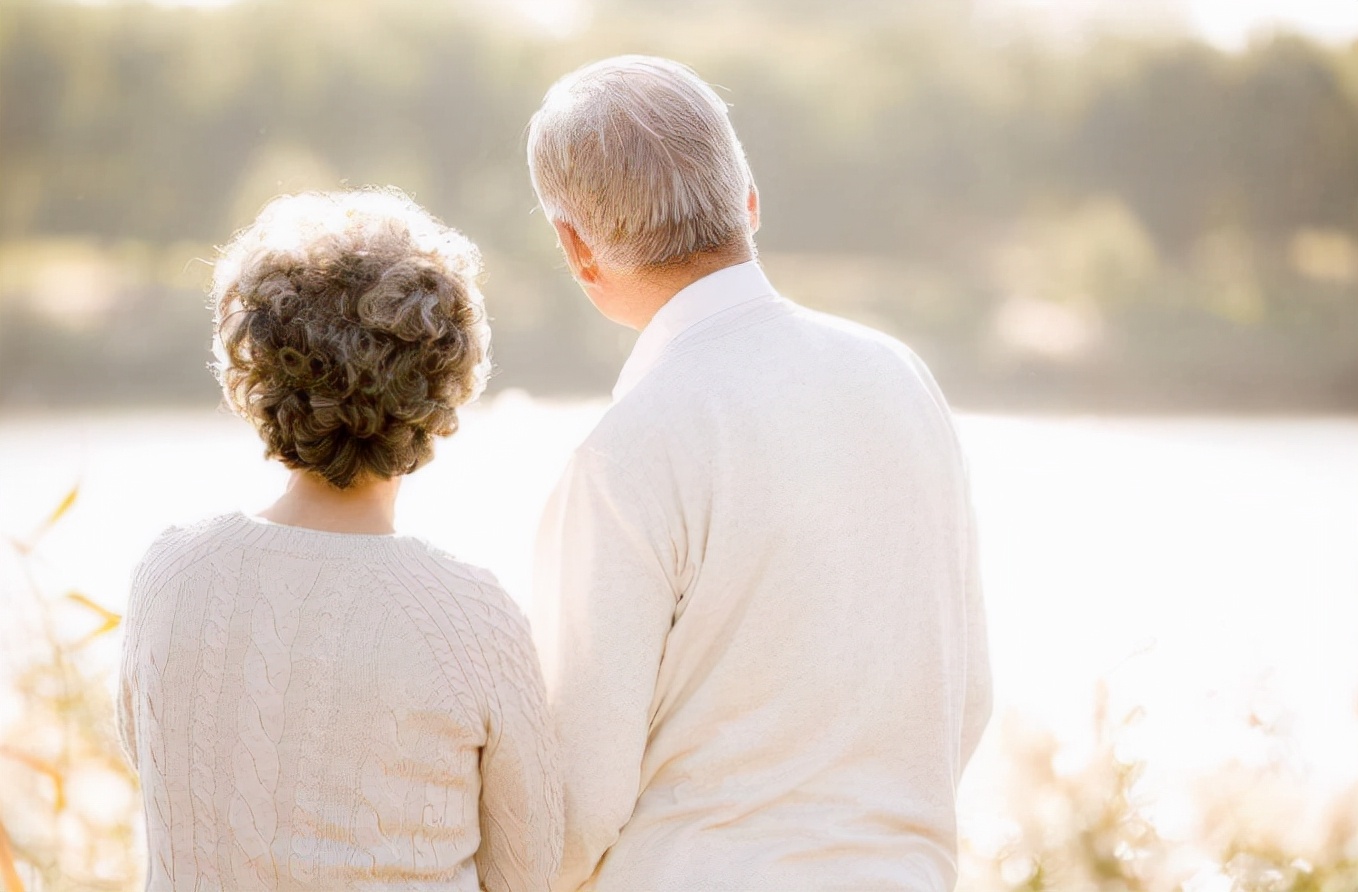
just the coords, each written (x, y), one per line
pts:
(760, 610)
(313, 710)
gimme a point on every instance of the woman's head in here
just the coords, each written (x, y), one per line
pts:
(349, 328)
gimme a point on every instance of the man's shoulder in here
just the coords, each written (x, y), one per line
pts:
(848, 344)
(744, 369)
(854, 335)
(631, 425)
(813, 344)
(769, 347)
(787, 326)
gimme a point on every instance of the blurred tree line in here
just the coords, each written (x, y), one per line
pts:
(1129, 222)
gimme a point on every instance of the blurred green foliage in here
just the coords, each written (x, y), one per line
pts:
(1130, 222)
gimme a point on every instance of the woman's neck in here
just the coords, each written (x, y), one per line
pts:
(368, 506)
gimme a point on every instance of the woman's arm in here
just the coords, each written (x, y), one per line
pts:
(521, 804)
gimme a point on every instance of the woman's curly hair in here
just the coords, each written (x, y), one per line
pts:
(349, 328)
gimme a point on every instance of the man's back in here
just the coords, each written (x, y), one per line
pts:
(767, 545)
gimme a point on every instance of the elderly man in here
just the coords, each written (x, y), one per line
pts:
(757, 589)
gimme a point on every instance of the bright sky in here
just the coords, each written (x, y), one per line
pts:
(1226, 23)
(1229, 22)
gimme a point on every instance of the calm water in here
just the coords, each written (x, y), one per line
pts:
(1205, 569)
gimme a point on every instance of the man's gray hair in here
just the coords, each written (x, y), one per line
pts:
(638, 156)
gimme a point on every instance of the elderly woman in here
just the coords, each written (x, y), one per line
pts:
(312, 701)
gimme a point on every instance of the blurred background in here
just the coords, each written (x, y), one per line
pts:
(1124, 237)
(1061, 206)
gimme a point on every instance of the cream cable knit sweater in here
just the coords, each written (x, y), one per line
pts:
(325, 711)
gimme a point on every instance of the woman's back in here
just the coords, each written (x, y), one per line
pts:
(313, 710)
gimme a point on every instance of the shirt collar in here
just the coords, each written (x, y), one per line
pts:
(712, 294)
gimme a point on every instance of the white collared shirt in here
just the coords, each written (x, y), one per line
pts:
(712, 294)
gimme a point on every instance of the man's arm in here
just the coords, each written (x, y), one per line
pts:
(979, 687)
(604, 604)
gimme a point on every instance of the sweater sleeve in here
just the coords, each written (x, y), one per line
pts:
(127, 730)
(125, 706)
(125, 710)
(605, 603)
(521, 807)
(979, 687)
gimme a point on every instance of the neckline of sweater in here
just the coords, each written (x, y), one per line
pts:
(306, 541)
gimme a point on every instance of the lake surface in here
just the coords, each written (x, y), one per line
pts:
(1205, 570)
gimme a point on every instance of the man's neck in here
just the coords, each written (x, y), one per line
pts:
(651, 289)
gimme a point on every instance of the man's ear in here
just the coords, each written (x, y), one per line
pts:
(752, 203)
(579, 257)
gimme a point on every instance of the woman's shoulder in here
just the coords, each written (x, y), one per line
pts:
(185, 542)
(468, 587)
(181, 551)
(474, 614)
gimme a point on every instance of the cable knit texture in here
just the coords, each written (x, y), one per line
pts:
(327, 711)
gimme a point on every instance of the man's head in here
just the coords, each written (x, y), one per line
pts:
(634, 160)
